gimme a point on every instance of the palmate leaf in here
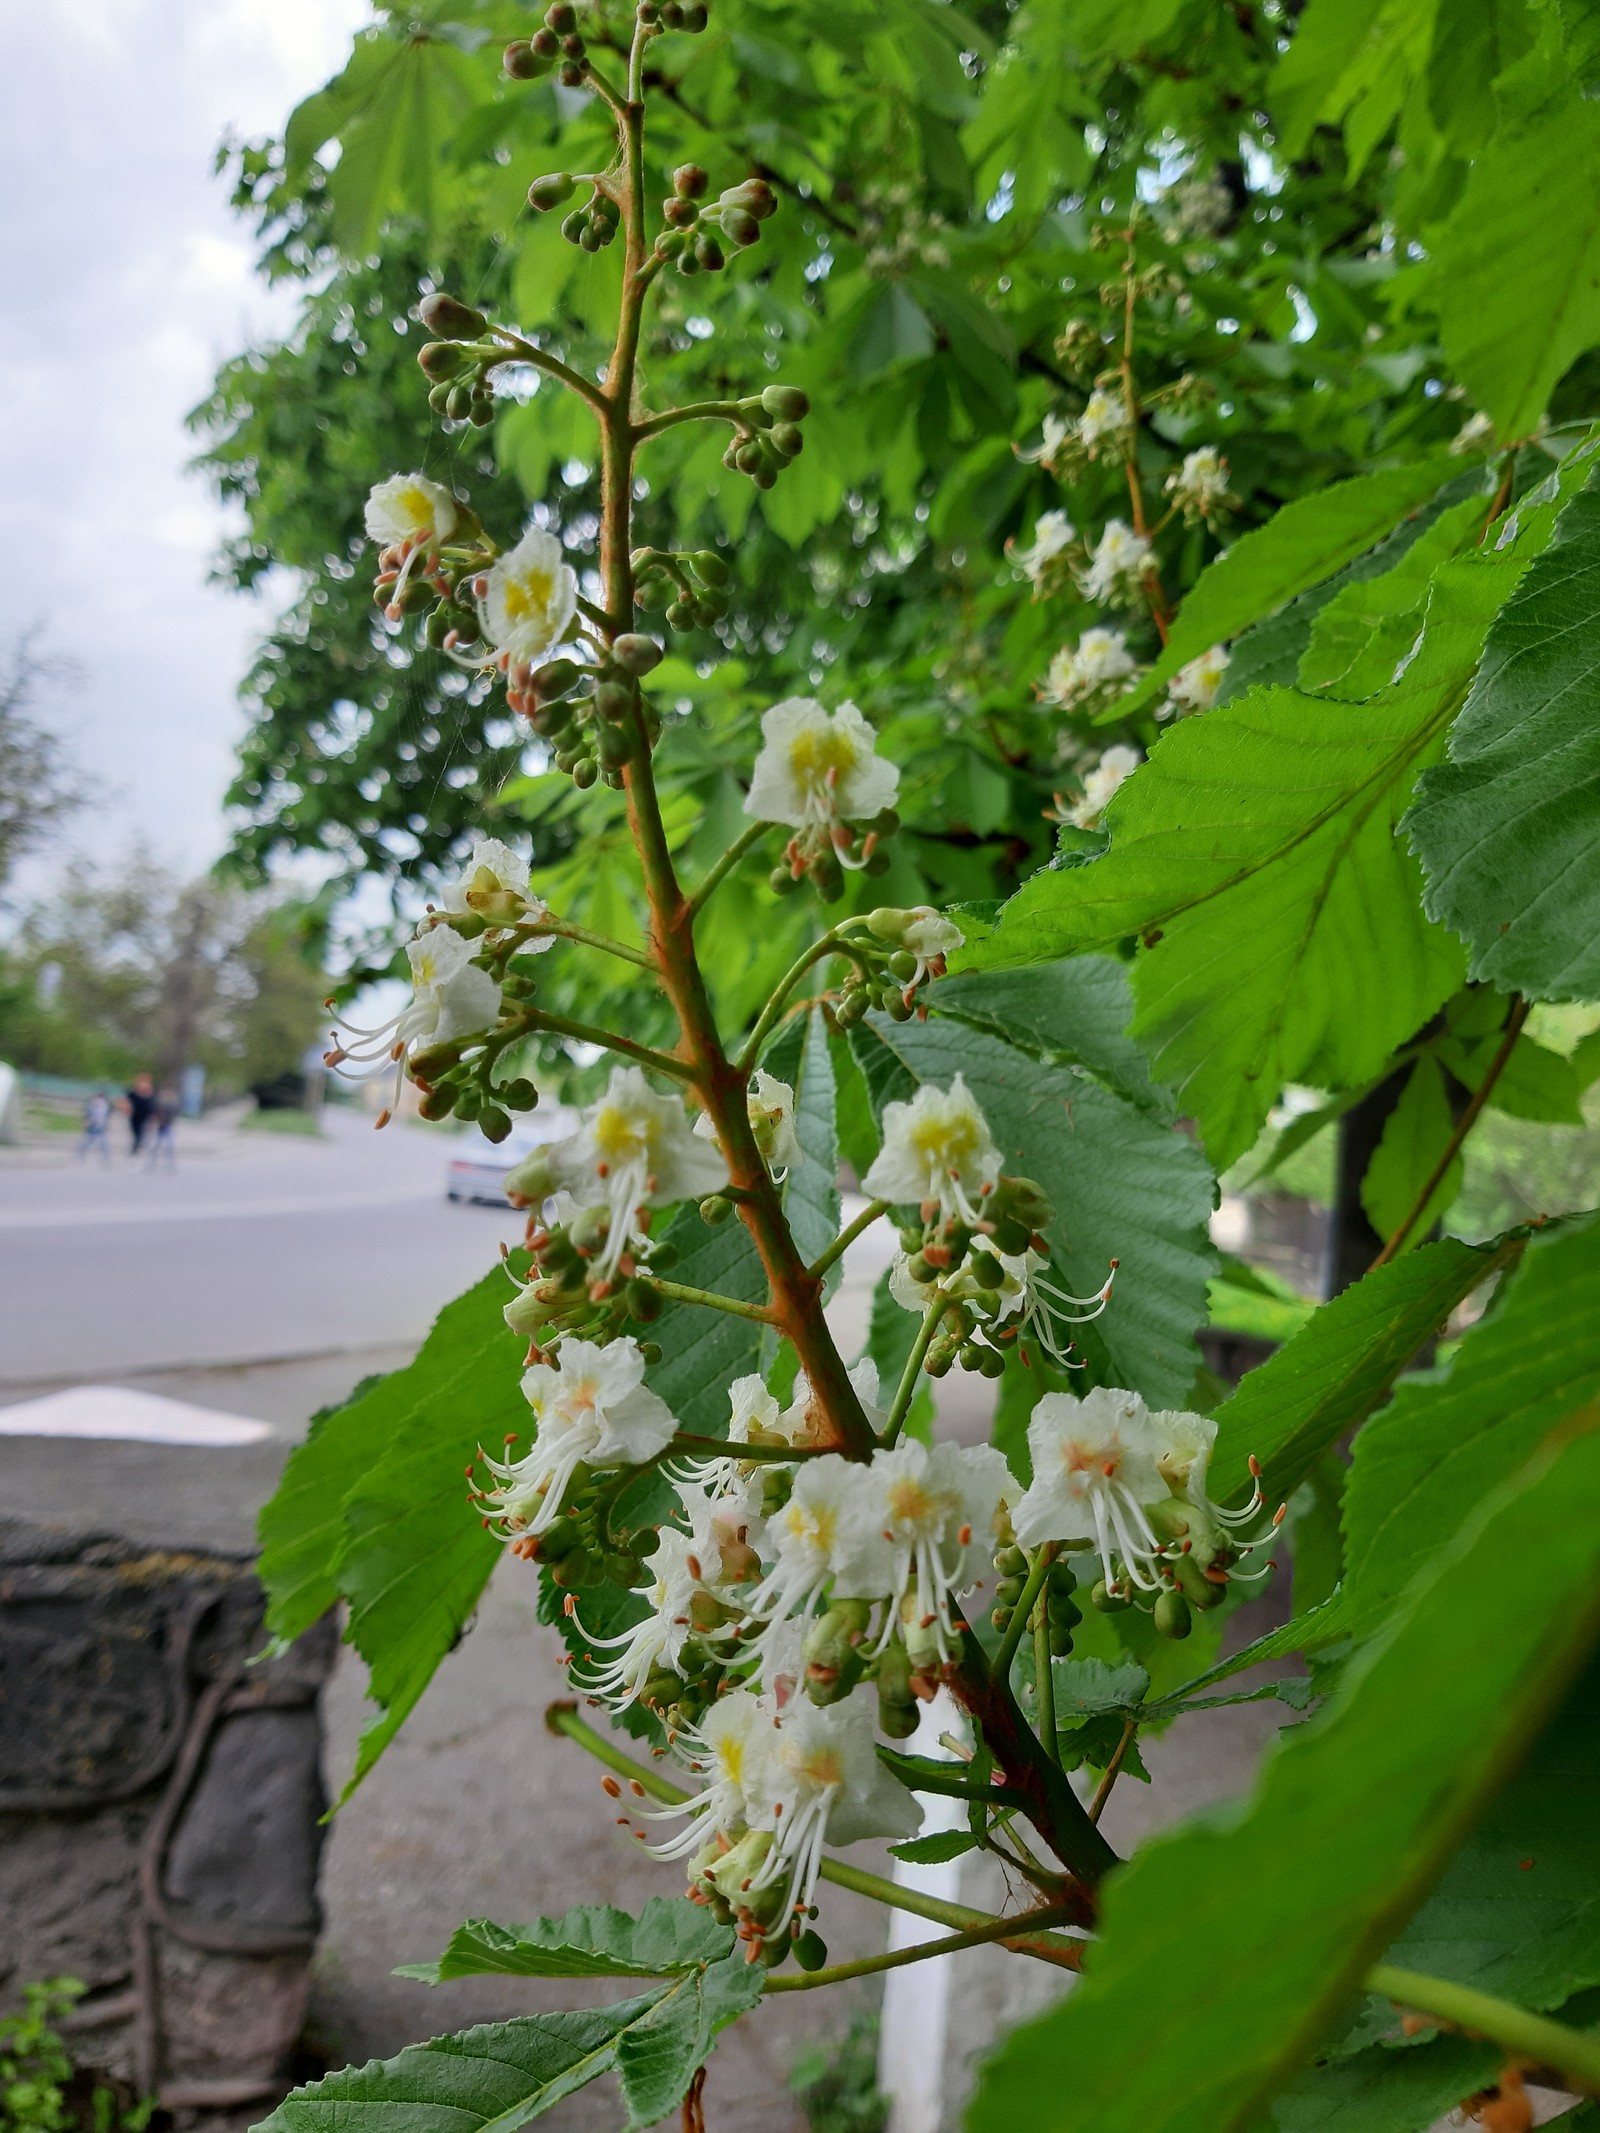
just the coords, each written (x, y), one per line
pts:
(592, 1940)
(1230, 1946)
(1421, 1466)
(501, 2075)
(1255, 857)
(1307, 541)
(1508, 828)
(1124, 1186)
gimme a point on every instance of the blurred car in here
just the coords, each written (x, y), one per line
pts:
(478, 1172)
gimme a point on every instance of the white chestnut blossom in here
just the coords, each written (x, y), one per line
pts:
(1027, 1302)
(770, 1103)
(939, 1509)
(528, 599)
(1108, 774)
(658, 1640)
(633, 1149)
(727, 1750)
(451, 996)
(1094, 1468)
(1104, 418)
(817, 769)
(936, 1147)
(410, 508)
(1194, 687)
(1099, 660)
(591, 1407)
(1116, 570)
(494, 885)
(1200, 485)
(1044, 561)
(921, 931)
(819, 1781)
(828, 1535)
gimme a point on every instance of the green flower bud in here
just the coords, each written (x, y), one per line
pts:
(614, 745)
(671, 243)
(585, 772)
(613, 700)
(438, 1103)
(785, 403)
(680, 615)
(493, 1123)
(787, 439)
(715, 1210)
(571, 76)
(739, 226)
(546, 44)
(709, 253)
(1012, 1238)
(562, 17)
(522, 62)
(643, 1302)
(1172, 1617)
(550, 191)
(636, 653)
(710, 569)
(556, 678)
(903, 965)
(451, 319)
(827, 877)
(810, 1950)
(782, 882)
(690, 182)
(695, 17)
(519, 1095)
(443, 360)
(438, 400)
(757, 198)
(1010, 1561)
(1107, 1602)
(481, 413)
(1008, 1591)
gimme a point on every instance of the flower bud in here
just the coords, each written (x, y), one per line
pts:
(754, 195)
(740, 226)
(451, 319)
(443, 360)
(573, 46)
(689, 181)
(709, 253)
(787, 439)
(671, 15)
(786, 403)
(613, 700)
(546, 43)
(562, 17)
(522, 62)
(584, 772)
(571, 77)
(681, 214)
(695, 17)
(493, 1123)
(551, 190)
(709, 568)
(638, 654)
(1171, 1616)
(680, 615)
(810, 1950)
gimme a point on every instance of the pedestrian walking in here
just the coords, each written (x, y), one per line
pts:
(139, 1102)
(163, 1131)
(96, 1138)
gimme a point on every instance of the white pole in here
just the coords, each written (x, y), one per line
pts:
(916, 2000)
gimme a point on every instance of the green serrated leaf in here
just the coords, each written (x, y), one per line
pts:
(1508, 828)
(1305, 542)
(935, 1850)
(1076, 1011)
(501, 2075)
(592, 1940)
(1339, 1367)
(1124, 1186)
(1421, 1466)
(1415, 1136)
(1368, 1801)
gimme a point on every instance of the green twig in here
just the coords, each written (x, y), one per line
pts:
(1044, 1686)
(582, 934)
(827, 946)
(1528, 2037)
(725, 865)
(1130, 1727)
(696, 411)
(1002, 1929)
(846, 1237)
(521, 351)
(1038, 1571)
(587, 1033)
(680, 1292)
(749, 1454)
(906, 1391)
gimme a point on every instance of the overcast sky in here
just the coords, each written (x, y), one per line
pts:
(126, 281)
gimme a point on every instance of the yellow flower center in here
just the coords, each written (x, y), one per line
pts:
(823, 1767)
(817, 750)
(528, 595)
(948, 1140)
(415, 506)
(620, 1136)
(910, 1503)
(817, 1527)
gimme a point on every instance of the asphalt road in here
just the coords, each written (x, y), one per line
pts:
(258, 1246)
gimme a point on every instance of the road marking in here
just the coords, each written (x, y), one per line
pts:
(118, 1411)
